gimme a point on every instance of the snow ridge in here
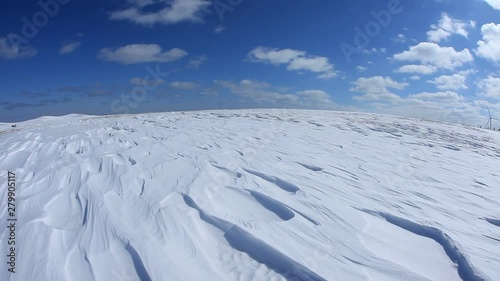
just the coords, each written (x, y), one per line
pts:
(465, 270)
(259, 250)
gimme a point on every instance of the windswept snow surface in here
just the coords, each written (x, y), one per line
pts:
(252, 195)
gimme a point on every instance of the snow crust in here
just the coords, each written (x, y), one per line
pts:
(252, 195)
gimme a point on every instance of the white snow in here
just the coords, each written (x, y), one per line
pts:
(251, 195)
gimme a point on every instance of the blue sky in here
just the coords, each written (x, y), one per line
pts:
(431, 59)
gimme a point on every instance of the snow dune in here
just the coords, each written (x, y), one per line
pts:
(252, 195)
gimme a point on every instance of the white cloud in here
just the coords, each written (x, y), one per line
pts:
(439, 96)
(315, 96)
(10, 52)
(421, 69)
(415, 78)
(256, 91)
(209, 92)
(295, 60)
(183, 85)
(141, 53)
(374, 51)
(490, 87)
(443, 105)
(268, 95)
(69, 47)
(432, 54)
(137, 81)
(196, 63)
(219, 29)
(400, 38)
(361, 68)
(494, 3)
(371, 97)
(437, 106)
(448, 26)
(489, 47)
(314, 64)
(450, 82)
(377, 88)
(172, 12)
(274, 56)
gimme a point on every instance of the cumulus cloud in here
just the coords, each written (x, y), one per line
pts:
(171, 11)
(361, 68)
(430, 106)
(446, 106)
(421, 69)
(183, 85)
(10, 52)
(400, 38)
(447, 96)
(69, 47)
(196, 63)
(99, 93)
(137, 81)
(275, 56)
(315, 97)
(141, 3)
(428, 53)
(219, 29)
(374, 51)
(377, 88)
(209, 92)
(442, 105)
(489, 46)
(267, 95)
(490, 87)
(140, 53)
(295, 61)
(494, 3)
(257, 91)
(447, 27)
(451, 82)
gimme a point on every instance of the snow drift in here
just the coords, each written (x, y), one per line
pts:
(252, 195)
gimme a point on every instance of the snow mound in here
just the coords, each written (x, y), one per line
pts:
(252, 195)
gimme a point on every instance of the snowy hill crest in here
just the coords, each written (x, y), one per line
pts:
(253, 195)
